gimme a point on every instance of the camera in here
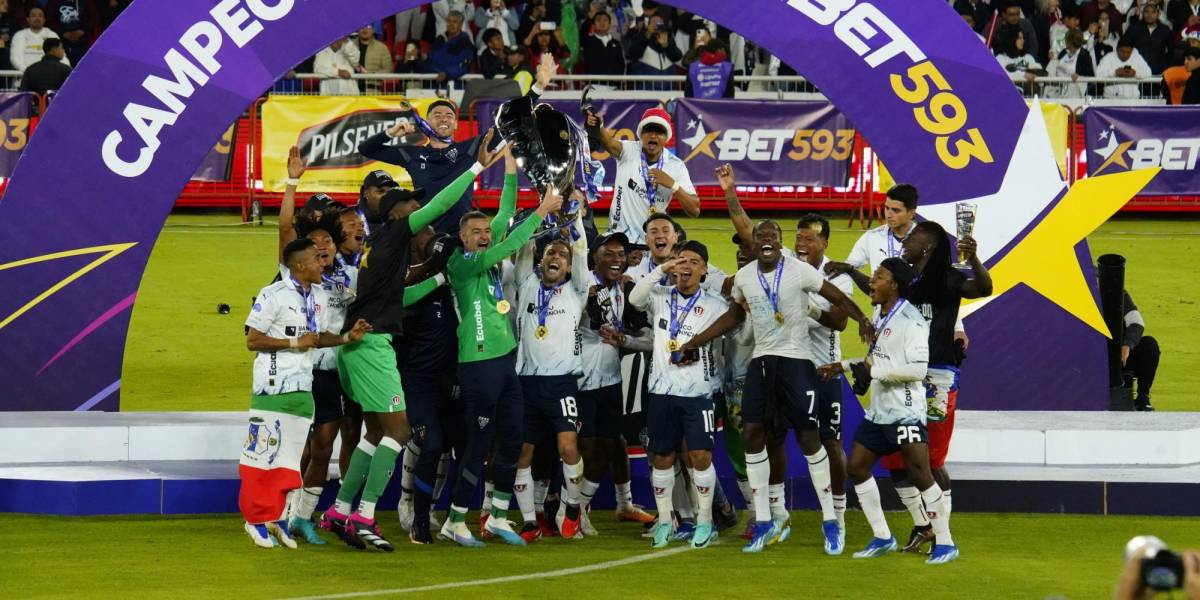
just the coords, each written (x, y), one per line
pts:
(1160, 569)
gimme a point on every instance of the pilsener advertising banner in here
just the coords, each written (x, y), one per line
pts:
(1143, 137)
(15, 111)
(328, 130)
(768, 142)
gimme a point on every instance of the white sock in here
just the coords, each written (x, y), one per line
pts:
(439, 484)
(488, 489)
(868, 496)
(411, 454)
(839, 509)
(818, 469)
(704, 481)
(366, 510)
(777, 500)
(744, 486)
(663, 481)
(290, 505)
(693, 495)
(541, 488)
(307, 502)
(523, 490)
(587, 491)
(911, 498)
(758, 473)
(946, 506)
(624, 495)
(935, 503)
(572, 474)
(681, 498)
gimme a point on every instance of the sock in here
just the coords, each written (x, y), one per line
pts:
(307, 502)
(443, 469)
(523, 490)
(719, 500)
(818, 469)
(911, 499)
(663, 481)
(758, 472)
(777, 501)
(290, 504)
(624, 495)
(458, 514)
(500, 506)
(411, 454)
(868, 497)
(422, 499)
(935, 504)
(572, 475)
(541, 488)
(587, 491)
(356, 476)
(705, 481)
(839, 509)
(747, 496)
(489, 490)
(693, 495)
(946, 505)
(382, 466)
(681, 496)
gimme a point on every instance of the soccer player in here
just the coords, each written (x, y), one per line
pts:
(885, 241)
(680, 407)
(648, 177)
(491, 392)
(781, 382)
(368, 368)
(550, 301)
(286, 324)
(896, 365)
(937, 293)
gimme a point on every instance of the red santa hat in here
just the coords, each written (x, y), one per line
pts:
(656, 116)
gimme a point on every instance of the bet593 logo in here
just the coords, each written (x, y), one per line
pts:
(733, 145)
(1172, 154)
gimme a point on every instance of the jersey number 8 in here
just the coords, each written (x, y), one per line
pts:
(908, 434)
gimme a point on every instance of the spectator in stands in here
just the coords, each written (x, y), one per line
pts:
(1151, 38)
(1014, 57)
(699, 40)
(543, 41)
(453, 52)
(410, 61)
(49, 73)
(71, 28)
(27, 43)
(594, 10)
(1125, 63)
(373, 57)
(289, 84)
(8, 26)
(1090, 13)
(499, 17)
(711, 74)
(336, 64)
(518, 62)
(1073, 62)
(1047, 21)
(1012, 22)
(493, 64)
(537, 14)
(652, 50)
(442, 9)
(1100, 39)
(602, 52)
(1057, 36)
(1191, 91)
(1183, 14)
(968, 17)
(981, 12)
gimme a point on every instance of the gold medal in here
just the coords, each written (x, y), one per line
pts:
(673, 346)
(653, 210)
(503, 307)
(541, 332)
(779, 317)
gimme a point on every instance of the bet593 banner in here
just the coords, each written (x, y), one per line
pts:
(328, 130)
(1131, 138)
(768, 142)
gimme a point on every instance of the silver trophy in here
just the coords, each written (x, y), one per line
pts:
(964, 220)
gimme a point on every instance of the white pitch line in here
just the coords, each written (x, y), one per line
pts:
(508, 579)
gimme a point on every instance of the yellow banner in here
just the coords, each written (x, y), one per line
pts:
(328, 130)
(1057, 121)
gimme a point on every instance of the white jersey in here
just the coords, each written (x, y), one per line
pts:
(826, 343)
(899, 362)
(279, 312)
(875, 246)
(630, 204)
(712, 282)
(795, 281)
(559, 352)
(603, 360)
(694, 380)
(340, 287)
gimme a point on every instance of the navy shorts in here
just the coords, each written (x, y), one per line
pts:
(829, 408)
(672, 419)
(329, 403)
(600, 412)
(427, 398)
(551, 406)
(886, 439)
(795, 392)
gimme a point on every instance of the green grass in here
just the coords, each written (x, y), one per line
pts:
(183, 355)
(1003, 556)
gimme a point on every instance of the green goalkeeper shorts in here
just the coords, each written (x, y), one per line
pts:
(368, 372)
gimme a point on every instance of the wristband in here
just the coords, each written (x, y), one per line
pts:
(537, 89)
(675, 188)
(346, 338)
(814, 311)
(293, 342)
(440, 279)
(477, 168)
(292, 181)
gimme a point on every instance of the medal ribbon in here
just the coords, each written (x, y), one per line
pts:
(651, 187)
(880, 325)
(544, 297)
(497, 289)
(677, 318)
(310, 305)
(773, 296)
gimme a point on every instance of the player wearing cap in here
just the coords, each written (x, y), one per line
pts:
(648, 176)
(368, 368)
(895, 368)
(491, 392)
(288, 322)
(780, 391)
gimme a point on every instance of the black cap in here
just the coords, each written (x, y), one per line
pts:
(395, 196)
(608, 237)
(697, 247)
(902, 273)
(638, 247)
(321, 202)
(441, 102)
(379, 178)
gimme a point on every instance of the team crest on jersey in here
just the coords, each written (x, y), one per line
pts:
(887, 332)
(452, 154)
(699, 310)
(257, 307)
(396, 400)
(483, 421)
(262, 441)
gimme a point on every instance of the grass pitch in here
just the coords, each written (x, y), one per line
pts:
(1003, 556)
(183, 355)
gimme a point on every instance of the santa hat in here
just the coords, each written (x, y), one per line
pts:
(656, 116)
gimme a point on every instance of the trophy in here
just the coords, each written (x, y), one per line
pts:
(964, 220)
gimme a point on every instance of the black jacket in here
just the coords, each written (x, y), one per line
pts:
(1154, 46)
(44, 75)
(602, 59)
(1191, 92)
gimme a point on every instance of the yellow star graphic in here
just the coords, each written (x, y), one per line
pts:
(1045, 260)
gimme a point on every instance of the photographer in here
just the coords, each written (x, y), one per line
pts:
(1150, 569)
